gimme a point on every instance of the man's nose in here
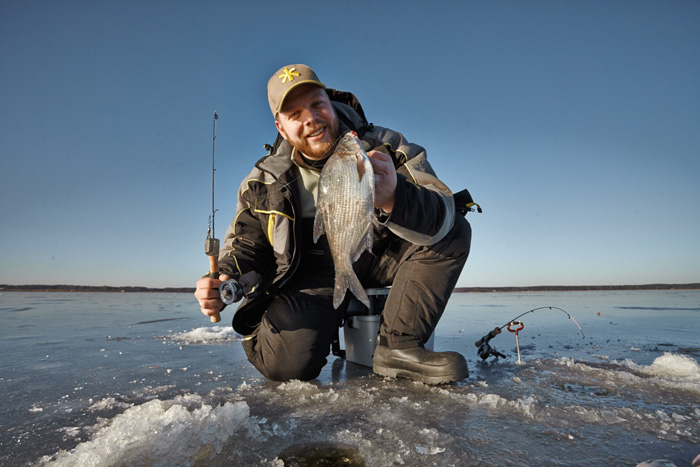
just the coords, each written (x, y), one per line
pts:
(308, 116)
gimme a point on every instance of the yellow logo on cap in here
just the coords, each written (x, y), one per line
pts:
(288, 75)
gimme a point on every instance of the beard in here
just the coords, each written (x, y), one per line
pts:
(318, 150)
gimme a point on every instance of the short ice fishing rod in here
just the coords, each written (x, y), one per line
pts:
(231, 290)
(211, 244)
(547, 308)
(485, 350)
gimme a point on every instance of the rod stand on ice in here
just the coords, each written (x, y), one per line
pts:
(515, 330)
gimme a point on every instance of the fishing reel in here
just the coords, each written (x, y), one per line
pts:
(231, 291)
(484, 349)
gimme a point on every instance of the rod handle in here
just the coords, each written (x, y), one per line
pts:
(214, 273)
(488, 337)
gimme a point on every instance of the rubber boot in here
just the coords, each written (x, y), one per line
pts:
(420, 364)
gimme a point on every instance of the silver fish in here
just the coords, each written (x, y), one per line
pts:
(344, 210)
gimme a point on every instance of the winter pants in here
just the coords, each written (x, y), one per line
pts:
(295, 335)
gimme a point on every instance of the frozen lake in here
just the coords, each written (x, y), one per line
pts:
(144, 379)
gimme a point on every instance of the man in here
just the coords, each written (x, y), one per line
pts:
(420, 246)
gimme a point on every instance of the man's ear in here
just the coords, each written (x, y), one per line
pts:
(280, 129)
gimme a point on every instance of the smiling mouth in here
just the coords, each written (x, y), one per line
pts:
(317, 132)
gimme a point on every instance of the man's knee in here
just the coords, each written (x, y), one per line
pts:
(291, 369)
(463, 234)
(277, 360)
(457, 243)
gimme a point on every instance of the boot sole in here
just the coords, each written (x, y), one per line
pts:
(427, 379)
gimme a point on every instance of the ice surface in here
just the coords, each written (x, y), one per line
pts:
(388, 422)
(161, 433)
(676, 368)
(146, 383)
(205, 335)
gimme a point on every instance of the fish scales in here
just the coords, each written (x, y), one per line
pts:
(344, 212)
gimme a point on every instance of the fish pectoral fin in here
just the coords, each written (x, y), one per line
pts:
(318, 225)
(365, 243)
(360, 167)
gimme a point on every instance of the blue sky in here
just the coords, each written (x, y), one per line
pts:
(575, 125)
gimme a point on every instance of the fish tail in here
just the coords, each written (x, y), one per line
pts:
(345, 281)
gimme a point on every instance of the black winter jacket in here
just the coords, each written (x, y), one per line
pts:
(261, 247)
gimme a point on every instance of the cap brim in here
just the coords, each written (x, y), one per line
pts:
(284, 96)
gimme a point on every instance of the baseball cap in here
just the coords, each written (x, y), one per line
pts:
(284, 80)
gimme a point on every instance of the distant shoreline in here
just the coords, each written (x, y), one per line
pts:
(578, 288)
(92, 288)
(542, 288)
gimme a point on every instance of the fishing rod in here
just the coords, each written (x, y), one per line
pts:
(231, 290)
(211, 244)
(485, 350)
(550, 308)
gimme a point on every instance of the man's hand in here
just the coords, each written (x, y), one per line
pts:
(208, 296)
(384, 180)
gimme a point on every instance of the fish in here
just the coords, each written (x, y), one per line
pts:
(344, 212)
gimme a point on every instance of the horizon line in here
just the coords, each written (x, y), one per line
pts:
(458, 289)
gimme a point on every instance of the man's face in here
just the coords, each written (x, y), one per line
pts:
(307, 120)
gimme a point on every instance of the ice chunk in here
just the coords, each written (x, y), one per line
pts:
(610, 417)
(680, 368)
(205, 335)
(490, 400)
(656, 463)
(429, 450)
(161, 432)
(108, 403)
